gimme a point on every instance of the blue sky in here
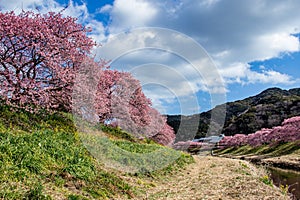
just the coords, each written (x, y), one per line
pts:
(253, 45)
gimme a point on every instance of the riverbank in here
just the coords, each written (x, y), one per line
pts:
(284, 156)
(210, 178)
(290, 162)
(287, 180)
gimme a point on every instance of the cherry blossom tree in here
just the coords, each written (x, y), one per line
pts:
(114, 97)
(159, 130)
(42, 56)
(289, 131)
(120, 98)
(165, 136)
(39, 56)
(84, 100)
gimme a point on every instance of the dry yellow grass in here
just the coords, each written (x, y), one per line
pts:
(212, 178)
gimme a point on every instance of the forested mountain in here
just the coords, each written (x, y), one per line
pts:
(265, 110)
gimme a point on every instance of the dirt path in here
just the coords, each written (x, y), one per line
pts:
(212, 178)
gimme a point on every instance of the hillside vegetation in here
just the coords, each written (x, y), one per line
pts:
(42, 157)
(265, 110)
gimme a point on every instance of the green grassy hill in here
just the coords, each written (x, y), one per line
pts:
(42, 157)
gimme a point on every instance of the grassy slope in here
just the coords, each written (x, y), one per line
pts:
(42, 157)
(272, 150)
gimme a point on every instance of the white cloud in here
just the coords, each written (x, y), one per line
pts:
(98, 30)
(242, 73)
(269, 76)
(79, 11)
(126, 14)
(105, 9)
(209, 3)
(276, 43)
(166, 57)
(231, 31)
(258, 47)
(235, 71)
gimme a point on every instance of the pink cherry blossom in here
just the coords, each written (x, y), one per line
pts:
(289, 131)
(39, 57)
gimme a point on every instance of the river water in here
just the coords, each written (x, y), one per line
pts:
(287, 177)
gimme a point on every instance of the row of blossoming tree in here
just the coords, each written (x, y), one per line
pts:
(289, 131)
(46, 58)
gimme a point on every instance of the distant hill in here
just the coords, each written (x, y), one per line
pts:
(265, 110)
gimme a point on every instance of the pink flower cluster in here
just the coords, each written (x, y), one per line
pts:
(39, 57)
(289, 131)
(118, 99)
